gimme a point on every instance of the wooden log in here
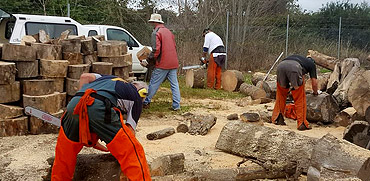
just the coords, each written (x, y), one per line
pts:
(201, 125)
(334, 76)
(58, 83)
(87, 47)
(93, 167)
(38, 87)
(323, 60)
(10, 92)
(27, 69)
(253, 91)
(160, 134)
(120, 61)
(121, 72)
(7, 72)
(231, 80)
(89, 59)
(358, 92)
(43, 36)
(9, 111)
(367, 114)
(143, 53)
(38, 126)
(50, 103)
(182, 127)
(111, 48)
(71, 45)
(343, 118)
(254, 141)
(73, 58)
(357, 133)
(259, 76)
(322, 82)
(14, 127)
(349, 68)
(168, 165)
(27, 40)
(250, 117)
(48, 51)
(1, 50)
(340, 158)
(75, 71)
(195, 78)
(321, 108)
(72, 86)
(269, 87)
(53, 68)
(96, 39)
(103, 68)
(13, 52)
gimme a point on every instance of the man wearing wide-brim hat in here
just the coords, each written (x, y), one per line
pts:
(165, 59)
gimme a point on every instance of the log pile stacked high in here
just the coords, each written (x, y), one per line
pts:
(42, 73)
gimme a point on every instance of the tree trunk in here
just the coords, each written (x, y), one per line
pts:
(321, 108)
(359, 91)
(200, 125)
(231, 80)
(325, 61)
(195, 78)
(254, 141)
(334, 159)
(160, 134)
(253, 91)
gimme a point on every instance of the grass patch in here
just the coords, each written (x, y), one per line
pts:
(162, 101)
(324, 70)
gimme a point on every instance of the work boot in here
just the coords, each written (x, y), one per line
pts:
(303, 127)
(280, 120)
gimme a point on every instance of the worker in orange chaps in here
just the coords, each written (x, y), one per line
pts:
(95, 112)
(290, 74)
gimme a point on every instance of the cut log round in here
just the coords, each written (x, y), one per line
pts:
(73, 58)
(259, 76)
(359, 91)
(323, 60)
(103, 68)
(54, 68)
(18, 53)
(322, 108)
(38, 87)
(143, 53)
(7, 72)
(75, 71)
(269, 87)
(357, 133)
(160, 134)
(194, 78)
(28, 40)
(111, 48)
(121, 61)
(253, 91)
(90, 59)
(48, 51)
(27, 69)
(10, 92)
(339, 159)
(367, 114)
(276, 148)
(71, 45)
(122, 72)
(231, 80)
(200, 125)
(233, 116)
(182, 128)
(343, 118)
(87, 47)
(72, 86)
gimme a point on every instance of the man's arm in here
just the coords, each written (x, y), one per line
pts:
(314, 86)
(86, 78)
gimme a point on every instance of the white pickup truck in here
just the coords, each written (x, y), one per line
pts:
(14, 26)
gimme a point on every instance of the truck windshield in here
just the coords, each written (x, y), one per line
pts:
(115, 34)
(53, 30)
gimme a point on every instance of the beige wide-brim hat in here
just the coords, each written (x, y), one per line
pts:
(156, 18)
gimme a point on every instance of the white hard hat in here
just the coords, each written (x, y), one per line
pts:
(155, 18)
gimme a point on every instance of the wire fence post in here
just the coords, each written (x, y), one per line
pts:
(68, 9)
(287, 36)
(339, 34)
(227, 36)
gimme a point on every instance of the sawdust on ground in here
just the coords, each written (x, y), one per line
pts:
(24, 157)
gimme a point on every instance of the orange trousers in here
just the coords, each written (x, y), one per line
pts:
(214, 72)
(300, 105)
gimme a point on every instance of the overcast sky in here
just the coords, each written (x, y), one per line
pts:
(315, 5)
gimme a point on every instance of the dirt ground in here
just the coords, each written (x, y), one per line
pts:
(24, 157)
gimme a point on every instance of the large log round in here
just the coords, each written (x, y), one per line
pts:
(194, 78)
(231, 80)
(253, 91)
(111, 48)
(322, 108)
(359, 91)
(323, 60)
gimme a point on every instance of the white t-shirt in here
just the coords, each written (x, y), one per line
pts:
(212, 41)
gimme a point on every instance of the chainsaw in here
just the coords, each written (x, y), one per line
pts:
(203, 64)
(42, 115)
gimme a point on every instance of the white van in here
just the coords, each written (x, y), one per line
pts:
(14, 26)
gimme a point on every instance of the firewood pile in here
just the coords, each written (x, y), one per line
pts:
(44, 73)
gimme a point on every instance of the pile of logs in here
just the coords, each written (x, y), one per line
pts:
(44, 73)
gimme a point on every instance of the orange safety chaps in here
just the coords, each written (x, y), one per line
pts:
(213, 72)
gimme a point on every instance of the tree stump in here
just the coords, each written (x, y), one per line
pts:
(201, 125)
(111, 48)
(160, 134)
(231, 80)
(323, 60)
(253, 91)
(358, 133)
(195, 78)
(75, 71)
(359, 91)
(338, 159)
(274, 147)
(321, 108)
(103, 68)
